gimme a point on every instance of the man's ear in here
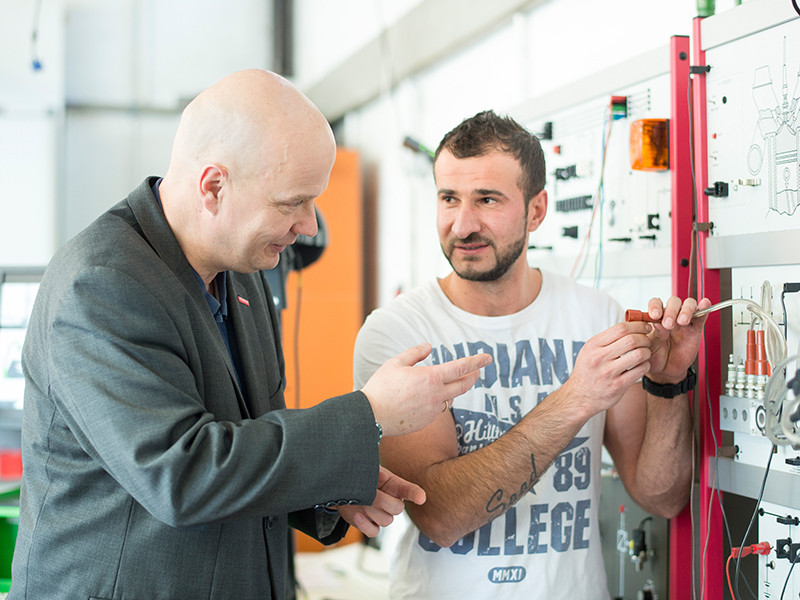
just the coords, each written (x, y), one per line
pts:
(537, 209)
(212, 181)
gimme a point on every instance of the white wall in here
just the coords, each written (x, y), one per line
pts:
(327, 33)
(131, 66)
(76, 136)
(537, 51)
(31, 119)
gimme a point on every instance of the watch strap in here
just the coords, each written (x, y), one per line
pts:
(670, 390)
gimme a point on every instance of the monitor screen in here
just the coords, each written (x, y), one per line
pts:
(18, 287)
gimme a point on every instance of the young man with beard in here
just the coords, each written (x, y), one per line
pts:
(512, 469)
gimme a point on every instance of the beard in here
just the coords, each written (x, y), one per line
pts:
(503, 259)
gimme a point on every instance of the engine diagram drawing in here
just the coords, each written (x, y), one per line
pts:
(779, 144)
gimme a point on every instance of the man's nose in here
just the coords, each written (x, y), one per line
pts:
(466, 221)
(307, 221)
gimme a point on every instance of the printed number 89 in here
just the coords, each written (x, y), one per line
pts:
(563, 478)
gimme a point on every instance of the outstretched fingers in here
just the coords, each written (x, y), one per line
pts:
(406, 398)
(458, 376)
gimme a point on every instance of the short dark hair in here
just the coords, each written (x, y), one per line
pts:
(486, 132)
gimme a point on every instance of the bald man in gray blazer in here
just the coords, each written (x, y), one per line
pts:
(159, 460)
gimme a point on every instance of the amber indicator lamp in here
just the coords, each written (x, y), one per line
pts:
(649, 145)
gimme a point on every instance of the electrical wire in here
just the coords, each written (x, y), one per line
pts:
(776, 344)
(788, 288)
(299, 266)
(755, 513)
(700, 294)
(788, 575)
(598, 262)
(696, 254)
(766, 302)
(716, 491)
(700, 286)
(708, 531)
(36, 64)
(695, 233)
(728, 575)
(730, 541)
(797, 10)
(772, 340)
(739, 555)
(785, 319)
(580, 259)
(601, 194)
(778, 415)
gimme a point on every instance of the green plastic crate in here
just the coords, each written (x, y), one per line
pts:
(9, 523)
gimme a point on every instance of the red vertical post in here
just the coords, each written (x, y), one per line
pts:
(708, 388)
(680, 528)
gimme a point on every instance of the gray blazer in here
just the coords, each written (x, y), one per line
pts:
(145, 473)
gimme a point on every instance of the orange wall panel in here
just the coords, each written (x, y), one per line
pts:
(329, 295)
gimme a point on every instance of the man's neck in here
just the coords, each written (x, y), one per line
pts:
(185, 231)
(505, 296)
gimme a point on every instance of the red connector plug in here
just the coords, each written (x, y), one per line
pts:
(760, 548)
(638, 315)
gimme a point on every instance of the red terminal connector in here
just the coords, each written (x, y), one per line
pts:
(750, 360)
(762, 366)
(760, 548)
(638, 315)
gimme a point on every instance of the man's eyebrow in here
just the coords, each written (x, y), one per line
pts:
(297, 199)
(475, 192)
(488, 192)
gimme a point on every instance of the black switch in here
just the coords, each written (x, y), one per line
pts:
(718, 190)
(570, 232)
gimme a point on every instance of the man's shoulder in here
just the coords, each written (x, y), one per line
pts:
(585, 303)
(419, 300)
(407, 314)
(113, 246)
(563, 285)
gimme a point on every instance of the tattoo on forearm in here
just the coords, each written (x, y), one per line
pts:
(498, 505)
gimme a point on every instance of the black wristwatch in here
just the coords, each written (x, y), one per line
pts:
(670, 390)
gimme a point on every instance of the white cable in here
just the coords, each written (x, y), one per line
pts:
(776, 344)
(778, 427)
(778, 422)
(766, 301)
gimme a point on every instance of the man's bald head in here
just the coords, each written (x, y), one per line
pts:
(244, 121)
(250, 156)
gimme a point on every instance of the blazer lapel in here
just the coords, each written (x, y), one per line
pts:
(245, 329)
(258, 341)
(158, 234)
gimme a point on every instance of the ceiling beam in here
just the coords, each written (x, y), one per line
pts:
(428, 33)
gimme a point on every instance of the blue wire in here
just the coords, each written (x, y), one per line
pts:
(36, 64)
(601, 199)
